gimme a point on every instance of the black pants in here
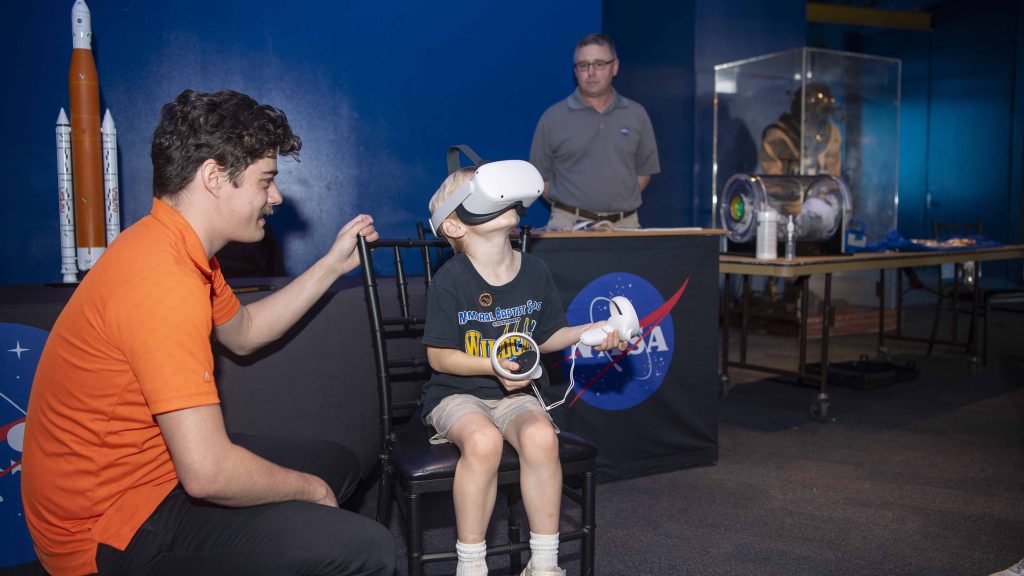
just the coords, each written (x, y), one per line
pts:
(189, 536)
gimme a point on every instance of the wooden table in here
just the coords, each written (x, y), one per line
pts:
(804, 267)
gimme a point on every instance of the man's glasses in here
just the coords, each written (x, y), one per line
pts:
(597, 65)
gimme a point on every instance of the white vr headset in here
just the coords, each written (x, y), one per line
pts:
(493, 189)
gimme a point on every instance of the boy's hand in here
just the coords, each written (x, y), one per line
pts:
(612, 340)
(511, 385)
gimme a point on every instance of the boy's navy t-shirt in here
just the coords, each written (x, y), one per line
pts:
(466, 313)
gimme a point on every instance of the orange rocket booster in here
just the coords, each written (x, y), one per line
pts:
(86, 147)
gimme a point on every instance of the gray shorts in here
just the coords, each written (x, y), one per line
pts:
(501, 412)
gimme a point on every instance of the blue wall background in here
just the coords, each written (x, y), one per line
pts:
(378, 91)
(669, 52)
(961, 118)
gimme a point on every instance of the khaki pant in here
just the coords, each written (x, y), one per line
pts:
(563, 220)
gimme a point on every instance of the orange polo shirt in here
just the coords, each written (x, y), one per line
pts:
(133, 342)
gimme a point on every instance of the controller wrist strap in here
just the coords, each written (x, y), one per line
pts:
(572, 383)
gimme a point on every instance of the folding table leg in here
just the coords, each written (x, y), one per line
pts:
(819, 408)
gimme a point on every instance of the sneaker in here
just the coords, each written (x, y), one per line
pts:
(1015, 570)
(549, 572)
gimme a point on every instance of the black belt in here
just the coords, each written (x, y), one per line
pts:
(609, 217)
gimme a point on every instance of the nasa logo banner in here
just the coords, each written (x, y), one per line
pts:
(655, 407)
(19, 356)
(616, 380)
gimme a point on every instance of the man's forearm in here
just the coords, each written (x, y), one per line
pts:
(210, 467)
(244, 479)
(271, 317)
(268, 319)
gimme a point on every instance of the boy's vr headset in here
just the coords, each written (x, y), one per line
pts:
(495, 188)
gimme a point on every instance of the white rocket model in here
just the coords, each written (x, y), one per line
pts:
(110, 198)
(86, 159)
(81, 25)
(65, 201)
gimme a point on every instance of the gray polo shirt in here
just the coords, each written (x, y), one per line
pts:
(592, 159)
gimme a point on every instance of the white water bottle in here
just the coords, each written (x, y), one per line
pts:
(767, 235)
(790, 239)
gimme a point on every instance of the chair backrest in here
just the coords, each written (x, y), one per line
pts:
(396, 319)
(395, 329)
(434, 257)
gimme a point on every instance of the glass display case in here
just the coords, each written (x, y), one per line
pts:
(811, 112)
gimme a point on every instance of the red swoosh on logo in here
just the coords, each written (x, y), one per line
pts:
(9, 468)
(3, 434)
(7, 427)
(647, 324)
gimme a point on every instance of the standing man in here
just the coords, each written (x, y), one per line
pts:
(127, 465)
(595, 149)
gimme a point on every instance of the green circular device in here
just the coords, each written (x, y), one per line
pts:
(736, 208)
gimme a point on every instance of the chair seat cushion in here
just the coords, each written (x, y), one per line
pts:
(417, 459)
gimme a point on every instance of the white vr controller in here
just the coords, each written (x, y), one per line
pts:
(529, 360)
(623, 319)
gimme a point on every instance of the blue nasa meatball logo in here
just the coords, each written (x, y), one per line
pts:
(620, 380)
(20, 347)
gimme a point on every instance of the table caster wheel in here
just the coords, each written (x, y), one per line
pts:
(723, 386)
(819, 408)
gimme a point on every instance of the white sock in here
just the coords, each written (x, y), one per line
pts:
(472, 559)
(543, 551)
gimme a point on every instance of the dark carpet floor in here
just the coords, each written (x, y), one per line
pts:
(918, 478)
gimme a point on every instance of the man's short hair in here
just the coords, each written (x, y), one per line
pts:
(599, 40)
(228, 127)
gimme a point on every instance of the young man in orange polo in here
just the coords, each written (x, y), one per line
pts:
(127, 465)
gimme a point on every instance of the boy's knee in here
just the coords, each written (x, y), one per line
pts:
(483, 446)
(539, 440)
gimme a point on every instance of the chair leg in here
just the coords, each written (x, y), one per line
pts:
(589, 525)
(935, 324)
(988, 321)
(384, 496)
(414, 538)
(899, 302)
(958, 276)
(513, 498)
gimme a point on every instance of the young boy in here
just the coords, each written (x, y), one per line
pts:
(467, 403)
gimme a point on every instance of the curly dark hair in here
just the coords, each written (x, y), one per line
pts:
(226, 126)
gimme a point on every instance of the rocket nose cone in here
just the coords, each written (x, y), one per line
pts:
(80, 7)
(81, 25)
